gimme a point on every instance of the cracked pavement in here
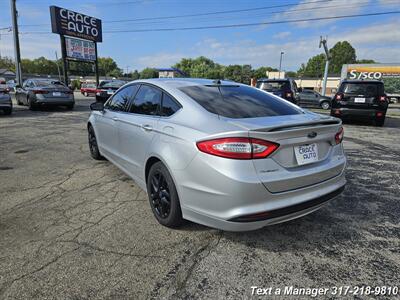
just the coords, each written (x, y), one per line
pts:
(75, 228)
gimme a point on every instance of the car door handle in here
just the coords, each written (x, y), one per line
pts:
(147, 127)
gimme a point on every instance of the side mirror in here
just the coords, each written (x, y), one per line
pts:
(98, 106)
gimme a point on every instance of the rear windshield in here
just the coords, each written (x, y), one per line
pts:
(89, 85)
(48, 83)
(239, 101)
(273, 85)
(112, 84)
(367, 89)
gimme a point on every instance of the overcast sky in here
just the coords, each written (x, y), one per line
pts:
(374, 37)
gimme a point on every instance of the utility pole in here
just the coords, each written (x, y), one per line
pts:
(14, 16)
(17, 57)
(58, 67)
(64, 59)
(280, 63)
(323, 42)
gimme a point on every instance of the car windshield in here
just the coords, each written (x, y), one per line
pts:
(237, 101)
(112, 84)
(274, 85)
(367, 89)
(48, 83)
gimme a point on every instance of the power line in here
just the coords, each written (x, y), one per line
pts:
(256, 24)
(239, 25)
(357, 4)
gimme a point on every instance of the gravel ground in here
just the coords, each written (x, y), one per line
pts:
(75, 228)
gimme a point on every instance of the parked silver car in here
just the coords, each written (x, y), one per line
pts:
(39, 92)
(219, 153)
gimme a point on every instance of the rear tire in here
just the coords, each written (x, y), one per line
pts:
(31, 105)
(85, 94)
(325, 105)
(70, 106)
(7, 111)
(163, 197)
(380, 122)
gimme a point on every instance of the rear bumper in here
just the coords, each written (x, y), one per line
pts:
(218, 195)
(54, 101)
(357, 112)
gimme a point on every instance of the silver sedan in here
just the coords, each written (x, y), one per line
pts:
(219, 153)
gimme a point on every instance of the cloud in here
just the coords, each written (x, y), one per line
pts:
(314, 9)
(377, 41)
(282, 35)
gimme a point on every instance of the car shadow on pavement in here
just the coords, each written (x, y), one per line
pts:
(389, 123)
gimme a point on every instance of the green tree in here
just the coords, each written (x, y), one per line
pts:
(108, 67)
(291, 74)
(135, 75)
(366, 61)
(341, 53)
(200, 67)
(148, 73)
(314, 67)
(7, 63)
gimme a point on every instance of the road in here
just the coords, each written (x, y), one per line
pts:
(75, 228)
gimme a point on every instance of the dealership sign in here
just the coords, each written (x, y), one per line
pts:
(68, 22)
(80, 49)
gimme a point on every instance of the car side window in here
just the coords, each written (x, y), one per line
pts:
(169, 106)
(147, 101)
(119, 101)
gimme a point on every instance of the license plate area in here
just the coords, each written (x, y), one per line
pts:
(306, 154)
(57, 94)
(359, 100)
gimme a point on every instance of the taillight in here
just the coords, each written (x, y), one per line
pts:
(288, 95)
(339, 136)
(339, 97)
(5, 91)
(238, 147)
(40, 92)
(382, 98)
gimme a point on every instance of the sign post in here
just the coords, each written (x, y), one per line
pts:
(79, 35)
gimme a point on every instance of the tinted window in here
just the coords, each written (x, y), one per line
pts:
(119, 101)
(111, 84)
(169, 105)
(147, 101)
(367, 89)
(48, 83)
(275, 85)
(239, 101)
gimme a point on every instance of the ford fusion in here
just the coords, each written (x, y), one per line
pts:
(219, 153)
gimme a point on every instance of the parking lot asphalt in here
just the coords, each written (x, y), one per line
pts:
(75, 228)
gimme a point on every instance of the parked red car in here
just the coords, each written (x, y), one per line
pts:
(88, 89)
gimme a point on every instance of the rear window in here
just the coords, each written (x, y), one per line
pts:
(274, 85)
(112, 84)
(367, 89)
(239, 101)
(48, 83)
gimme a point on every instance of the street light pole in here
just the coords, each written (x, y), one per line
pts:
(16, 42)
(280, 63)
(323, 42)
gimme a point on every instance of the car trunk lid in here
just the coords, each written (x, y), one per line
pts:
(283, 170)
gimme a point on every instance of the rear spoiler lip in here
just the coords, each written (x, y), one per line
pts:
(298, 125)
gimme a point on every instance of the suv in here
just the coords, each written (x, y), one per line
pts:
(361, 99)
(284, 88)
(107, 88)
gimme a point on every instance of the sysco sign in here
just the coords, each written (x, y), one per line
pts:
(364, 75)
(68, 22)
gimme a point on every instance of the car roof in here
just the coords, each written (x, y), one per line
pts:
(361, 81)
(182, 82)
(274, 79)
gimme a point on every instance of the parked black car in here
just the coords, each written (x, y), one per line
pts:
(284, 88)
(107, 88)
(361, 99)
(311, 98)
(5, 98)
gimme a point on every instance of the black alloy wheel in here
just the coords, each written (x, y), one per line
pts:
(163, 196)
(94, 149)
